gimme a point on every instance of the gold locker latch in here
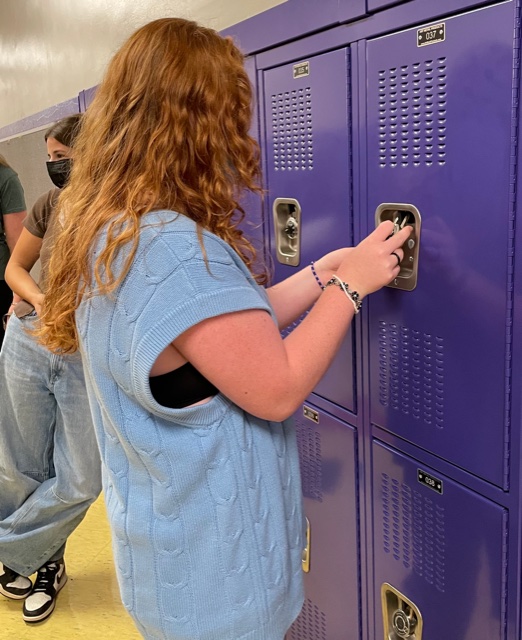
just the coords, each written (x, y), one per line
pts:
(402, 620)
(306, 550)
(287, 229)
(404, 215)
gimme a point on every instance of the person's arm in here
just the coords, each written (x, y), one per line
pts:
(17, 274)
(293, 296)
(243, 354)
(13, 225)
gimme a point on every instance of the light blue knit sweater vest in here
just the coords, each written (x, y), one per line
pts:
(205, 502)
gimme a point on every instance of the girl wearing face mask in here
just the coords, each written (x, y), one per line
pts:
(49, 461)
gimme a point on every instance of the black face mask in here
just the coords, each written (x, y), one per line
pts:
(59, 171)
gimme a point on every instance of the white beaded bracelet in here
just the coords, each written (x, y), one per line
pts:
(353, 296)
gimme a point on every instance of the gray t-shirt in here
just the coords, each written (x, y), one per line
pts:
(11, 201)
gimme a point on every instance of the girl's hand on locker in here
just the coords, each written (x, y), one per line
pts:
(374, 262)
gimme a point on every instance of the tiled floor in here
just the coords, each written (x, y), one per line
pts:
(89, 605)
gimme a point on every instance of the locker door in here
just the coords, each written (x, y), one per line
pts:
(442, 548)
(308, 163)
(327, 451)
(440, 138)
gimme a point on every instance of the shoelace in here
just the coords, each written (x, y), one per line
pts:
(45, 577)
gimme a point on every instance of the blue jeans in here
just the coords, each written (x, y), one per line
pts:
(49, 461)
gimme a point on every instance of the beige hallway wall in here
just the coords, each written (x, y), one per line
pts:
(52, 49)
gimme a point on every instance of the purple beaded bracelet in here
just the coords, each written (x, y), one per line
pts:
(315, 275)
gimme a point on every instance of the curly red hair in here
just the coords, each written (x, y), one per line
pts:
(168, 128)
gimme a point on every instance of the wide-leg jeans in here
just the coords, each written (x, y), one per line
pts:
(49, 460)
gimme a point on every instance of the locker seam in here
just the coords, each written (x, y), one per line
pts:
(351, 204)
(359, 533)
(354, 373)
(511, 243)
(504, 579)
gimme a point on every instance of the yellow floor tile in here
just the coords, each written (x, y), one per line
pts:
(89, 605)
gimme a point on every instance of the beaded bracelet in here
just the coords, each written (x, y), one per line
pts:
(353, 296)
(315, 275)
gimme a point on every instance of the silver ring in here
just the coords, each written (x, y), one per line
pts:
(397, 256)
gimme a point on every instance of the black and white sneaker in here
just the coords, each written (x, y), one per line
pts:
(13, 585)
(49, 581)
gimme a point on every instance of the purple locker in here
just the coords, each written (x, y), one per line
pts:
(327, 450)
(286, 21)
(440, 138)
(351, 9)
(308, 172)
(442, 547)
(376, 5)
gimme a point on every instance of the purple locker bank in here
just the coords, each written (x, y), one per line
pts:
(410, 446)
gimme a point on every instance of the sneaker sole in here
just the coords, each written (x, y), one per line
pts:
(45, 615)
(12, 596)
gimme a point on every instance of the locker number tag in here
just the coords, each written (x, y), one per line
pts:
(310, 414)
(431, 35)
(429, 481)
(301, 70)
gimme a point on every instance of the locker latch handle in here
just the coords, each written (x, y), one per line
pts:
(403, 215)
(287, 229)
(402, 619)
(306, 550)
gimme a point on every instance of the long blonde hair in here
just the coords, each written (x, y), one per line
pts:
(3, 161)
(168, 128)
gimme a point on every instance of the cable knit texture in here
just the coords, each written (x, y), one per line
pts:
(204, 502)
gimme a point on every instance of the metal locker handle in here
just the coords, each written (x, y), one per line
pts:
(306, 550)
(401, 215)
(402, 619)
(287, 229)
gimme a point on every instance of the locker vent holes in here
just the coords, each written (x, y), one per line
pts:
(412, 114)
(414, 531)
(310, 458)
(411, 373)
(310, 625)
(292, 130)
